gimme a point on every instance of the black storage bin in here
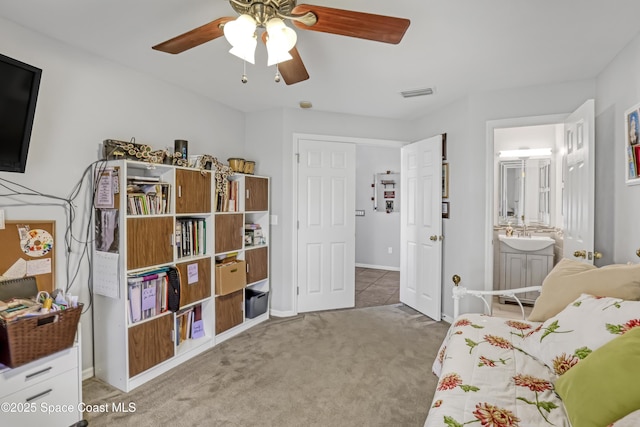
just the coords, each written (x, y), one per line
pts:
(255, 303)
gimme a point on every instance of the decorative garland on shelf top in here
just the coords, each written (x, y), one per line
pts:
(220, 172)
(114, 149)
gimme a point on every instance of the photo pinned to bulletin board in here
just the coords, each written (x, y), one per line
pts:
(28, 249)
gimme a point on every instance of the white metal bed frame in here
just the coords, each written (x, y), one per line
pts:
(460, 292)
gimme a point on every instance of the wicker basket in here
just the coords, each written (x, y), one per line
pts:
(31, 338)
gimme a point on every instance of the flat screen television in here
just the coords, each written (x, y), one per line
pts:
(19, 85)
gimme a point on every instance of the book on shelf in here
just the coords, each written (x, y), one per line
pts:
(227, 200)
(148, 199)
(189, 324)
(191, 237)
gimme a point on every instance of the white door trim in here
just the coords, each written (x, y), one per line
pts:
(294, 167)
(492, 125)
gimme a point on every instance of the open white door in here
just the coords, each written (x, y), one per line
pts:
(579, 185)
(421, 226)
(326, 225)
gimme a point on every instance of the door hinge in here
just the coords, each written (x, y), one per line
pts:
(298, 290)
(298, 157)
(298, 224)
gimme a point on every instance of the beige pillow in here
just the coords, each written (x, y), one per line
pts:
(569, 279)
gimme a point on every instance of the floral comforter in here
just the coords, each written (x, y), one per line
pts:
(486, 377)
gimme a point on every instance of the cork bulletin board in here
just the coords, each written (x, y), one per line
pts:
(27, 248)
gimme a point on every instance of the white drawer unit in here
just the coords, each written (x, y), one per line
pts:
(45, 392)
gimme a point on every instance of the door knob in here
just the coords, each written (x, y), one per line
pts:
(580, 254)
(433, 238)
(597, 255)
(638, 252)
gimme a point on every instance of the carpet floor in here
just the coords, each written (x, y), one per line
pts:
(360, 367)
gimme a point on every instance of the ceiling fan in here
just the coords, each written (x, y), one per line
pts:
(342, 22)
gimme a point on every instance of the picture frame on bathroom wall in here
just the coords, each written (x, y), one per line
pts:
(632, 145)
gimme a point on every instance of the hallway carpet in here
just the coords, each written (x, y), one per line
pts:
(359, 367)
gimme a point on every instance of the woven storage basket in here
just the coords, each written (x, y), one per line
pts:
(31, 338)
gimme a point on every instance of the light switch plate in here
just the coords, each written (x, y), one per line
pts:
(359, 213)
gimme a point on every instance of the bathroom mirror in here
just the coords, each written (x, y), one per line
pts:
(512, 202)
(525, 191)
(527, 175)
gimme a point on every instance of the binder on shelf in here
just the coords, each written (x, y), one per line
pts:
(147, 295)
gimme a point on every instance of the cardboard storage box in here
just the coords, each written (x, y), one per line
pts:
(255, 303)
(230, 277)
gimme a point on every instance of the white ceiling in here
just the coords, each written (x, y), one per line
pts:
(457, 46)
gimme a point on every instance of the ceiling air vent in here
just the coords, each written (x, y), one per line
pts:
(417, 92)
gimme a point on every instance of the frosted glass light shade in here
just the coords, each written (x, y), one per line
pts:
(281, 39)
(241, 34)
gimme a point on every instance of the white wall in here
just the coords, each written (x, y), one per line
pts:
(83, 100)
(618, 89)
(376, 231)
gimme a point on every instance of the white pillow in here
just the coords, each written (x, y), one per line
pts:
(583, 326)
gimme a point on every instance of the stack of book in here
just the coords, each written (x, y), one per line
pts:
(189, 324)
(191, 236)
(147, 196)
(147, 295)
(227, 200)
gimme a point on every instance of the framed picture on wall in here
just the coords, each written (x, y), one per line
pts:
(444, 146)
(445, 180)
(445, 209)
(632, 145)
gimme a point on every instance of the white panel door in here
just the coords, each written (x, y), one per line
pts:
(579, 199)
(421, 226)
(326, 225)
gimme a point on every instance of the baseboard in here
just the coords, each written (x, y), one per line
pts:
(278, 313)
(447, 318)
(87, 373)
(378, 267)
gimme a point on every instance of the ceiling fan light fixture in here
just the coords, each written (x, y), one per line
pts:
(241, 34)
(246, 52)
(280, 40)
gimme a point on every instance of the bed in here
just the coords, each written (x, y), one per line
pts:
(574, 362)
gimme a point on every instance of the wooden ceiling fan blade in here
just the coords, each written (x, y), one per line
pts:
(195, 37)
(387, 29)
(293, 71)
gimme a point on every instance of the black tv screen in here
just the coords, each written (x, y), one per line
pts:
(19, 84)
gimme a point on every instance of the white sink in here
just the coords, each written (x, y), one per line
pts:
(533, 243)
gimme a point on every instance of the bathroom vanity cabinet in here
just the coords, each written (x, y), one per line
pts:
(520, 268)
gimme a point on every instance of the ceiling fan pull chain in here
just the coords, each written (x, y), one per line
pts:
(244, 72)
(277, 78)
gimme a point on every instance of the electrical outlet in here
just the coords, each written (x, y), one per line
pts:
(390, 249)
